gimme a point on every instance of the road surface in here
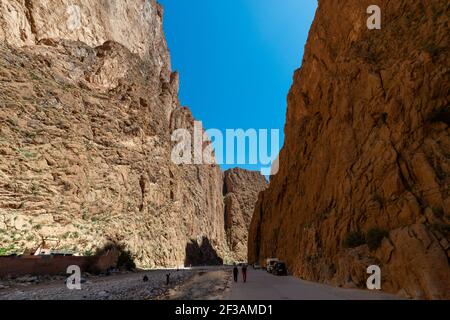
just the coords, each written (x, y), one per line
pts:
(264, 286)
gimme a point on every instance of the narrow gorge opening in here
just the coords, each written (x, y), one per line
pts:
(113, 161)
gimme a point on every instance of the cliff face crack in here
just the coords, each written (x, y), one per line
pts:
(142, 186)
(29, 15)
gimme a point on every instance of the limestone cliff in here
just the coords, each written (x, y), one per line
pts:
(241, 190)
(88, 103)
(364, 172)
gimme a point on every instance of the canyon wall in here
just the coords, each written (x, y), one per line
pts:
(364, 172)
(241, 189)
(88, 103)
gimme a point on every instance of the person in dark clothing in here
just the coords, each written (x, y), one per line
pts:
(167, 279)
(235, 273)
(244, 272)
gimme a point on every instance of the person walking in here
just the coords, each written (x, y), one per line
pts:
(235, 273)
(244, 272)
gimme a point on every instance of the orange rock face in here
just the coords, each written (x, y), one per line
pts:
(364, 173)
(241, 189)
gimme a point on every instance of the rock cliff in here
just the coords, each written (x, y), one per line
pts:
(136, 24)
(88, 103)
(364, 172)
(241, 190)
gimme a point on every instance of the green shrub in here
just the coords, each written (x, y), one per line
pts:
(442, 228)
(25, 153)
(7, 251)
(438, 212)
(433, 49)
(354, 239)
(379, 199)
(440, 115)
(440, 173)
(374, 238)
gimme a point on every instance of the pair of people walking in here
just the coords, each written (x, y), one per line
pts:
(236, 273)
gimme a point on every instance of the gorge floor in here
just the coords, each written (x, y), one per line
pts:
(205, 283)
(127, 286)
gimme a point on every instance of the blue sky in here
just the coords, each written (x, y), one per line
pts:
(236, 58)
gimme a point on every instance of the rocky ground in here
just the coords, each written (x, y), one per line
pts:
(122, 286)
(207, 285)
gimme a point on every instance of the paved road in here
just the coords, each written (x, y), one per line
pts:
(264, 286)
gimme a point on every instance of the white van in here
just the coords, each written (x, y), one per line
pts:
(270, 263)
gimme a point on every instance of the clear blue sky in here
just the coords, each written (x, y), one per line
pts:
(236, 58)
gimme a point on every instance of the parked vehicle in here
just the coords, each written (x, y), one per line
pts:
(280, 269)
(256, 266)
(270, 263)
